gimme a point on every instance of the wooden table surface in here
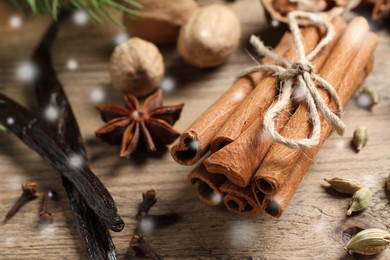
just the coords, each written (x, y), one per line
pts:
(312, 226)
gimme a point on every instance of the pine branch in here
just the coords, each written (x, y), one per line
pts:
(97, 9)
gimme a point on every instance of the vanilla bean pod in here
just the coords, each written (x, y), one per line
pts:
(93, 207)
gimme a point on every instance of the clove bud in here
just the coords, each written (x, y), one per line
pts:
(29, 189)
(143, 248)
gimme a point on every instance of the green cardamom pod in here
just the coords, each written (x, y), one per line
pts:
(369, 242)
(371, 93)
(360, 137)
(343, 185)
(360, 201)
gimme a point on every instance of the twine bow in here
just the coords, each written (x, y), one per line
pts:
(302, 72)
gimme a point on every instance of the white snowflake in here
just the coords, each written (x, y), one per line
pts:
(194, 145)
(168, 84)
(216, 198)
(72, 64)
(76, 161)
(275, 23)
(239, 95)
(242, 233)
(204, 33)
(10, 241)
(26, 72)
(364, 100)
(48, 231)
(120, 38)
(146, 226)
(10, 121)
(15, 21)
(80, 17)
(97, 95)
(299, 93)
(51, 113)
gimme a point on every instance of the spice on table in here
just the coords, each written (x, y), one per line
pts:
(388, 182)
(45, 215)
(343, 185)
(143, 248)
(360, 138)
(360, 201)
(148, 200)
(136, 67)
(160, 21)
(371, 241)
(148, 221)
(367, 97)
(28, 194)
(152, 123)
(210, 36)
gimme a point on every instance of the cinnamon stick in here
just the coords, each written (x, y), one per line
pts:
(280, 160)
(239, 200)
(207, 185)
(259, 100)
(239, 160)
(194, 143)
(358, 70)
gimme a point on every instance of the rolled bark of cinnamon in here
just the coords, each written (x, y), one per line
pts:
(239, 200)
(357, 72)
(280, 160)
(239, 160)
(194, 143)
(259, 100)
(207, 185)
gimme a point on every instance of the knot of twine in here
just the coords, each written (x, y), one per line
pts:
(302, 72)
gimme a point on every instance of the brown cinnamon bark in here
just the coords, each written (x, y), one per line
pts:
(358, 70)
(207, 185)
(239, 160)
(239, 200)
(280, 159)
(259, 100)
(277, 10)
(194, 143)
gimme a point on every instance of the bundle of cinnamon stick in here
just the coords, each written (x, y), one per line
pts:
(244, 165)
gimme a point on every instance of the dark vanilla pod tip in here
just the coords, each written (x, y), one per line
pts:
(119, 224)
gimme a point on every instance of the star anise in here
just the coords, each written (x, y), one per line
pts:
(127, 124)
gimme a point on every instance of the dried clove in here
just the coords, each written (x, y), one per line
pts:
(45, 216)
(143, 248)
(150, 222)
(28, 194)
(148, 201)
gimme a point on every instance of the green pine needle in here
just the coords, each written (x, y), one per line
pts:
(97, 9)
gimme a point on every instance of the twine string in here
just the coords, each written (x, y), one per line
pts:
(300, 71)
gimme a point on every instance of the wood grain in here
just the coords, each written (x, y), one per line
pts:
(312, 225)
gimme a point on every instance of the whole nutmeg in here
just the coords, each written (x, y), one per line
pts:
(160, 20)
(210, 36)
(136, 67)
